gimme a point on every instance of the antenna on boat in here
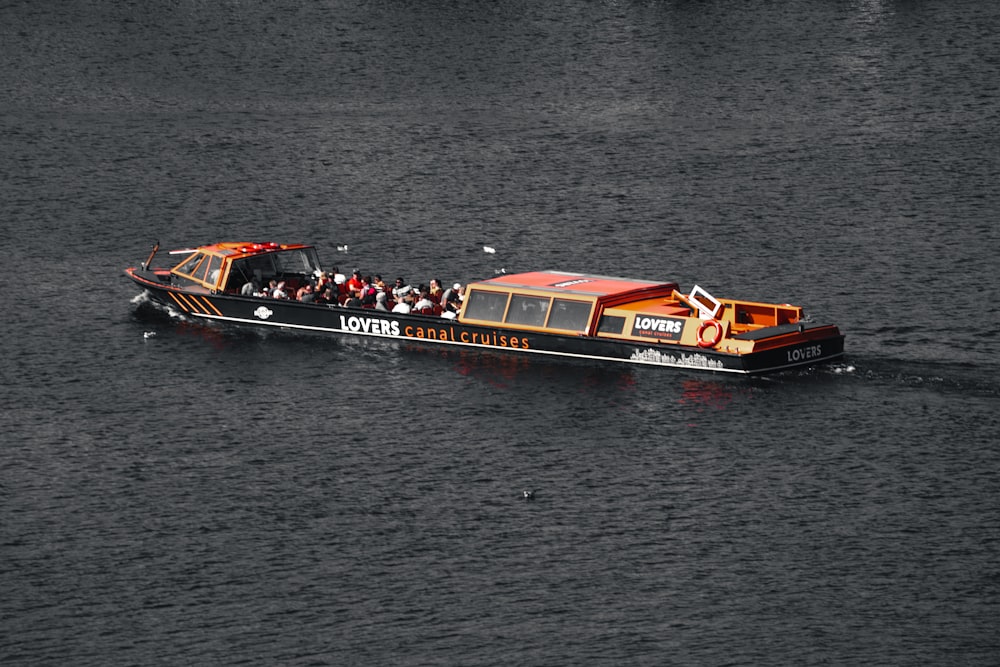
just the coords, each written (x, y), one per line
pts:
(149, 260)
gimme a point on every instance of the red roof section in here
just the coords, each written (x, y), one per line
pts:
(235, 248)
(576, 283)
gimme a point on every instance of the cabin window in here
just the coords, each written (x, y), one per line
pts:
(211, 268)
(567, 314)
(488, 306)
(529, 310)
(611, 324)
(189, 267)
(301, 261)
(258, 268)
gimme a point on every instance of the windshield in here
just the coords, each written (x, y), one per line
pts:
(282, 265)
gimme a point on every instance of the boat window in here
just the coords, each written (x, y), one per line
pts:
(211, 268)
(189, 267)
(488, 306)
(530, 310)
(611, 324)
(303, 261)
(256, 267)
(273, 265)
(568, 314)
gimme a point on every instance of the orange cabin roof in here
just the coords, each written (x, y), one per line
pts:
(562, 282)
(233, 249)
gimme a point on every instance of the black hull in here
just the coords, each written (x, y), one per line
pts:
(332, 319)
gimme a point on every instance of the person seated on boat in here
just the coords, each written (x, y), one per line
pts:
(404, 302)
(268, 290)
(435, 291)
(322, 280)
(279, 291)
(355, 281)
(379, 284)
(367, 292)
(250, 289)
(326, 295)
(380, 300)
(424, 304)
(340, 285)
(306, 294)
(451, 300)
(352, 300)
(400, 289)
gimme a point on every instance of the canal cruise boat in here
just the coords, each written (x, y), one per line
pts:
(541, 312)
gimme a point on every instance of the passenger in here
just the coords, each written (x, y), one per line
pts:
(399, 293)
(322, 280)
(279, 291)
(400, 289)
(379, 283)
(306, 294)
(355, 282)
(250, 289)
(326, 295)
(404, 302)
(424, 304)
(435, 291)
(367, 292)
(451, 300)
(380, 302)
(353, 301)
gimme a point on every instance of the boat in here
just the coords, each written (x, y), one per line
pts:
(546, 312)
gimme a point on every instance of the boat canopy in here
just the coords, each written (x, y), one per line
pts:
(555, 300)
(226, 267)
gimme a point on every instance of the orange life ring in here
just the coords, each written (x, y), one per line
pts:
(716, 337)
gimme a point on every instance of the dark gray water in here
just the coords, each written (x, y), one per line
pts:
(220, 497)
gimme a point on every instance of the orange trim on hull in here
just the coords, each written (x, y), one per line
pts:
(192, 304)
(182, 304)
(210, 305)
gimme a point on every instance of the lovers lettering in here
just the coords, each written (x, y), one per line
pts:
(667, 328)
(804, 353)
(369, 325)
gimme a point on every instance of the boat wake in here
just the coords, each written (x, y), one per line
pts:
(147, 306)
(963, 377)
(141, 298)
(841, 369)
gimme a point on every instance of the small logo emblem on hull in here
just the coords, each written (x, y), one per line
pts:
(263, 312)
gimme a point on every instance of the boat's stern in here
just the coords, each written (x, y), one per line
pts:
(788, 346)
(744, 336)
